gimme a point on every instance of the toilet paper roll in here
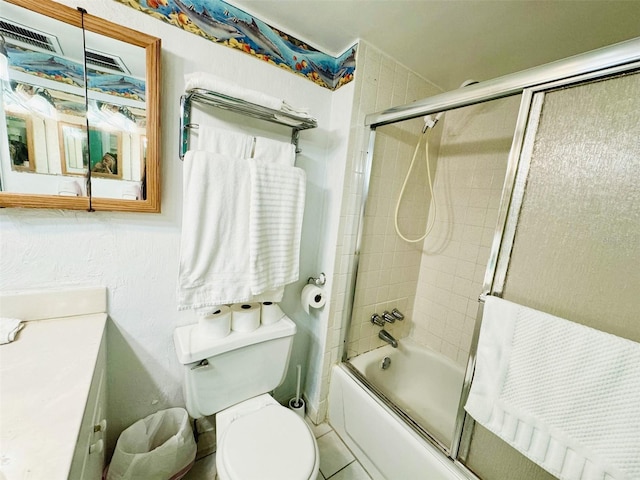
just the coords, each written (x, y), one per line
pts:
(312, 296)
(215, 323)
(245, 317)
(271, 313)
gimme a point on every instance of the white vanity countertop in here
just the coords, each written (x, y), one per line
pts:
(45, 376)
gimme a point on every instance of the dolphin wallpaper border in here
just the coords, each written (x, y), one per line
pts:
(66, 71)
(227, 25)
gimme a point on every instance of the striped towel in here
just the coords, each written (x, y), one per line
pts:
(275, 219)
(565, 395)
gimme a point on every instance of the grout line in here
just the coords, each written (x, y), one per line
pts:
(327, 433)
(352, 461)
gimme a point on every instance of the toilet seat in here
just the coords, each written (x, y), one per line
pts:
(271, 443)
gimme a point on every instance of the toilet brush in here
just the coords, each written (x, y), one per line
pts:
(297, 404)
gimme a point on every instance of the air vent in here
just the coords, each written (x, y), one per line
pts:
(26, 36)
(104, 61)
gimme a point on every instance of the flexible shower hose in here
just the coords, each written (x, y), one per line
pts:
(428, 227)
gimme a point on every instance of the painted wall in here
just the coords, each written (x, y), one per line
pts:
(136, 255)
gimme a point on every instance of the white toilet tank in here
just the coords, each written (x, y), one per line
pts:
(225, 371)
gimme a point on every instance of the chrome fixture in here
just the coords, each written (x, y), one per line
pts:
(318, 281)
(377, 320)
(388, 317)
(396, 313)
(387, 337)
(202, 364)
(386, 363)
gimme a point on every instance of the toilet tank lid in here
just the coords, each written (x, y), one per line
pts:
(194, 347)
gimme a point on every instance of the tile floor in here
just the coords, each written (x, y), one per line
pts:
(336, 461)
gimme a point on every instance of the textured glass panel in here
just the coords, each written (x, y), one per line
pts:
(577, 246)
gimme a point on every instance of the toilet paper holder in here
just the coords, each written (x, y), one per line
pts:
(318, 281)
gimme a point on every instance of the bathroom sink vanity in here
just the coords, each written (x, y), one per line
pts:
(53, 386)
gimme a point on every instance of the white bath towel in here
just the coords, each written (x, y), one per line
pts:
(274, 151)
(277, 209)
(565, 395)
(214, 250)
(224, 142)
(9, 328)
(214, 83)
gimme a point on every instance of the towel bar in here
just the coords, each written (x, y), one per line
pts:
(214, 99)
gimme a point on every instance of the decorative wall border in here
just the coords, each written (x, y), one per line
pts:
(227, 25)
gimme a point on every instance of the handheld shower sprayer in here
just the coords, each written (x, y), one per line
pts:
(429, 122)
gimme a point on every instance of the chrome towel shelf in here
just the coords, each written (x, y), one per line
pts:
(214, 99)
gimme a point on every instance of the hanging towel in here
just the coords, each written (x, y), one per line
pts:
(224, 142)
(214, 83)
(274, 151)
(214, 249)
(9, 328)
(277, 208)
(565, 395)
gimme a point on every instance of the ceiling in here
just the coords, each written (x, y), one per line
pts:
(450, 41)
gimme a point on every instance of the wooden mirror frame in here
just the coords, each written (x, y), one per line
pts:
(152, 46)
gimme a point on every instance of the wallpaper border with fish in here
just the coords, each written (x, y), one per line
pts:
(63, 70)
(227, 25)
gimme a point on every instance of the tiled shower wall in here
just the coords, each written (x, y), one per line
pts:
(389, 266)
(380, 83)
(472, 163)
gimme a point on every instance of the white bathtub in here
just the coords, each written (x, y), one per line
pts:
(384, 445)
(423, 383)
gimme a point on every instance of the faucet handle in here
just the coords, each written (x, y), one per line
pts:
(377, 320)
(396, 313)
(388, 317)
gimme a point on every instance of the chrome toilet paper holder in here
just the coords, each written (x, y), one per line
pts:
(318, 281)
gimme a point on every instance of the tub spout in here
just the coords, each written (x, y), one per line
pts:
(387, 337)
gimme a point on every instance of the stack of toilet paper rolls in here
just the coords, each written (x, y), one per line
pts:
(239, 317)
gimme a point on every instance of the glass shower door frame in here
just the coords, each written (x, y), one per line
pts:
(506, 229)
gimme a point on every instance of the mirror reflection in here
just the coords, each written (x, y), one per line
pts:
(56, 129)
(20, 136)
(116, 116)
(40, 79)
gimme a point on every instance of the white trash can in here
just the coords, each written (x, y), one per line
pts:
(158, 447)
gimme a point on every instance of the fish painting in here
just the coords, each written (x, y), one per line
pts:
(45, 65)
(208, 24)
(122, 86)
(156, 3)
(252, 32)
(350, 61)
(326, 75)
(225, 24)
(49, 66)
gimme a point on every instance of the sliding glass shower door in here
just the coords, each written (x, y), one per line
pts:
(434, 283)
(571, 246)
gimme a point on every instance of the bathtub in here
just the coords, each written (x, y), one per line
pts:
(423, 383)
(382, 442)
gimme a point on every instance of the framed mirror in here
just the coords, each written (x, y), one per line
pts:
(80, 108)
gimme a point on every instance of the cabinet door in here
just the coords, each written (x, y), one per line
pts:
(94, 462)
(88, 458)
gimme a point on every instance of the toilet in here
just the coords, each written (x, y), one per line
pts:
(257, 438)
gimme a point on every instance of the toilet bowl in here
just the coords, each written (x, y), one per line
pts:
(259, 439)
